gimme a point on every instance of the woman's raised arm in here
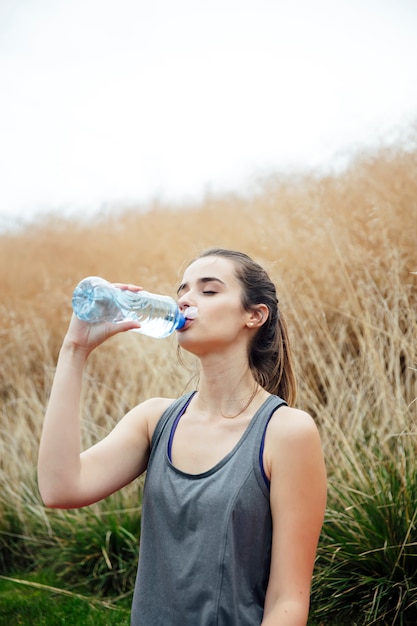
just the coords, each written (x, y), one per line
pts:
(68, 477)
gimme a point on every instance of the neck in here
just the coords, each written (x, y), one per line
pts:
(227, 388)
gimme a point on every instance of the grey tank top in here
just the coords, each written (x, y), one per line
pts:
(205, 546)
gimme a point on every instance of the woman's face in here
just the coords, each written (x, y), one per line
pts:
(210, 284)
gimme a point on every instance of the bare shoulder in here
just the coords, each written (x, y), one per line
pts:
(289, 424)
(149, 412)
(292, 436)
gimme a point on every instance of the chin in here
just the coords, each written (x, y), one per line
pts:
(187, 343)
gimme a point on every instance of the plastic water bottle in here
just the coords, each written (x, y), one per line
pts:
(97, 300)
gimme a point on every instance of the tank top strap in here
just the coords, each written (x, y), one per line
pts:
(265, 414)
(177, 407)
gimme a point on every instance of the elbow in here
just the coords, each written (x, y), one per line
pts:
(50, 498)
(54, 495)
(51, 503)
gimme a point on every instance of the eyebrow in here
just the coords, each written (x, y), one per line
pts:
(203, 280)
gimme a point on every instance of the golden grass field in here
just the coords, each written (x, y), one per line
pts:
(341, 248)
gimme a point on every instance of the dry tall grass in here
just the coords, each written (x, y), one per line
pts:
(341, 249)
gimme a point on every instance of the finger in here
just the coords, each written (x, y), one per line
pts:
(121, 327)
(127, 287)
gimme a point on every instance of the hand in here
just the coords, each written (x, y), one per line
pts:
(87, 336)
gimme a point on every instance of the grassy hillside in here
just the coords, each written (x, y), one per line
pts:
(342, 251)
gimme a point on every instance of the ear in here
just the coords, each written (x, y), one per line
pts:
(258, 316)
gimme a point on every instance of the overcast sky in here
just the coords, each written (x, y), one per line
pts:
(111, 101)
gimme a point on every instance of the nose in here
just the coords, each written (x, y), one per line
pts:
(185, 301)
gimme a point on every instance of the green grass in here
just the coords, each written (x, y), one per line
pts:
(367, 560)
(30, 603)
(98, 545)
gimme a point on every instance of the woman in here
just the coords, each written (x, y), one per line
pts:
(235, 487)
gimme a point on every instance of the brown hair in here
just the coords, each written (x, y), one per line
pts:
(270, 358)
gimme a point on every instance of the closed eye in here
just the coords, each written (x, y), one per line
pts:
(209, 293)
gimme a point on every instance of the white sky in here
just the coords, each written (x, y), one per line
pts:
(111, 101)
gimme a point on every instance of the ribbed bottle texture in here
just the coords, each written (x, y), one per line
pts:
(97, 300)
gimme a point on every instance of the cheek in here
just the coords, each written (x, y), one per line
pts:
(227, 323)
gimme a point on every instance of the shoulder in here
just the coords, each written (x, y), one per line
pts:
(292, 434)
(146, 415)
(288, 423)
(152, 408)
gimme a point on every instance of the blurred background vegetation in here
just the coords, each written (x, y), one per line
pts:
(342, 251)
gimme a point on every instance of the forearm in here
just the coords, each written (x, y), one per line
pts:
(59, 450)
(286, 613)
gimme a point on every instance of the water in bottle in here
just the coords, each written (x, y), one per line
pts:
(97, 300)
